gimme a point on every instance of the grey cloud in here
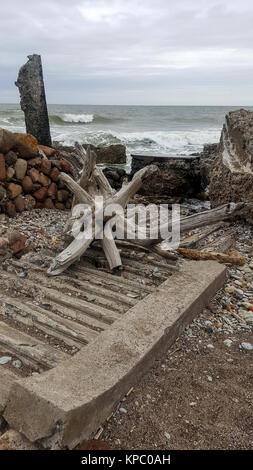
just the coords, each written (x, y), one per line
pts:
(140, 47)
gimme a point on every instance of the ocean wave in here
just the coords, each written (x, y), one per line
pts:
(72, 119)
(155, 142)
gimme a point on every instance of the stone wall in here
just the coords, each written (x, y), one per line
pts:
(29, 175)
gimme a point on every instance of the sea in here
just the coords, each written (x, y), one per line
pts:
(153, 130)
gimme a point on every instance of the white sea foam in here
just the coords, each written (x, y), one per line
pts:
(75, 118)
(176, 142)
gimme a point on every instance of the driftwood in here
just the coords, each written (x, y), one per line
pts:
(93, 183)
(234, 257)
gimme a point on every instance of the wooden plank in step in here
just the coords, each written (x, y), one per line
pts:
(30, 350)
(52, 324)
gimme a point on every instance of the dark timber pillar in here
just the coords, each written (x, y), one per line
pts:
(33, 99)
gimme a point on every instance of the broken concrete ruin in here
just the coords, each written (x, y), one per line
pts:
(33, 99)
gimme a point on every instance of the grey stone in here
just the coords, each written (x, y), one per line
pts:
(123, 410)
(228, 342)
(247, 346)
(20, 168)
(5, 359)
(33, 99)
(17, 364)
(10, 158)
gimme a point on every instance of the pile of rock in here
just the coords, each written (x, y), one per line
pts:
(29, 175)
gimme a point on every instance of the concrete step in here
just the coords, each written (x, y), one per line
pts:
(46, 320)
(7, 379)
(81, 392)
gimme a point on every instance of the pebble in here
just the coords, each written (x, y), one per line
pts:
(247, 346)
(228, 342)
(5, 360)
(210, 346)
(123, 410)
(167, 435)
(193, 403)
(17, 364)
(209, 378)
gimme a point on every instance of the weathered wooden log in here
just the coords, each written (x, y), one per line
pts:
(33, 99)
(93, 183)
(234, 257)
(224, 212)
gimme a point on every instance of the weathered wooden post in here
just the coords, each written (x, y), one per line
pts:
(33, 99)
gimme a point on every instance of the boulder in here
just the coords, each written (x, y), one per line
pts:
(10, 158)
(35, 162)
(40, 194)
(65, 166)
(19, 203)
(17, 241)
(2, 193)
(7, 140)
(14, 190)
(60, 206)
(56, 163)
(39, 205)
(44, 180)
(26, 145)
(46, 166)
(48, 204)
(115, 176)
(10, 209)
(62, 195)
(20, 168)
(10, 172)
(111, 154)
(52, 190)
(48, 151)
(27, 184)
(2, 168)
(3, 243)
(34, 175)
(29, 202)
(178, 176)
(54, 174)
(231, 177)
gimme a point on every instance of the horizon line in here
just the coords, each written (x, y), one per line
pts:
(149, 105)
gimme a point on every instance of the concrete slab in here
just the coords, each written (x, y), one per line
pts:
(68, 403)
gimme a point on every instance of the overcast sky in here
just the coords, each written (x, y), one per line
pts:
(156, 52)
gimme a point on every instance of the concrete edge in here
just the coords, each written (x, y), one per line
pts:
(67, 404)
